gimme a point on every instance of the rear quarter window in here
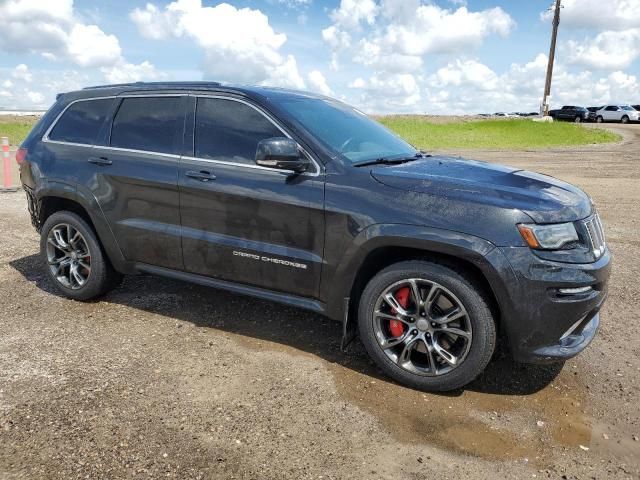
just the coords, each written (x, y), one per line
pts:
(82, 121)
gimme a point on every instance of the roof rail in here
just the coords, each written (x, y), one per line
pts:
(158, 84)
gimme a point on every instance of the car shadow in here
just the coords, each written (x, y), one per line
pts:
(283, 325)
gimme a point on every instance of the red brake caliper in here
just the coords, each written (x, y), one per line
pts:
(396, 327)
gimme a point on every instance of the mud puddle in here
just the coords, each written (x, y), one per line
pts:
(514, 412)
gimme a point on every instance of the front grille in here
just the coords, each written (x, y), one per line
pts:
(593, 226)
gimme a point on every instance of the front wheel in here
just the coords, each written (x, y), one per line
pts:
(625, 119)
(426, 325)
(74, 258)
(578, 120)
(600, 119)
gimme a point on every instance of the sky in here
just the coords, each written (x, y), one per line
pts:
(383, 56)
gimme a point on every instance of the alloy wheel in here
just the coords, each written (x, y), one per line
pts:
(422, 327)
(68, 256)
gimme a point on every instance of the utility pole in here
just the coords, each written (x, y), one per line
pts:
(552, 54)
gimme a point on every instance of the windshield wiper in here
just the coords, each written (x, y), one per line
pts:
(390, 161)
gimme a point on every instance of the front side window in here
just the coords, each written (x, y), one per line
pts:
(345, 130)
(148, 123)
(82, 121)
(230, 131)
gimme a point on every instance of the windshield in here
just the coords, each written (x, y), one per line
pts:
(345, 130)
(627, 107)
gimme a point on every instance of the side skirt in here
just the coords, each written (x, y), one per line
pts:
(293, 300)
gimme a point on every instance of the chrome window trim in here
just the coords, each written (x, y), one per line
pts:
(46, 138)
(245, 165)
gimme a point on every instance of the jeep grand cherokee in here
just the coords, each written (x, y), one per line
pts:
(303, 200)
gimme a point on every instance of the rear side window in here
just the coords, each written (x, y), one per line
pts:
(229, 130)
(82, 121)
(151, 124)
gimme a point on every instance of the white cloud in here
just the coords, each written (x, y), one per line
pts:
(239, 44)
(411, 28)
(471, 87)
(19, 93)
(53, 30)
(35, 98)
(129, 72)
(599, 14)
(396, 93)
(91, 47)
(21, 72)
(394, 35)
(351, 13)
(465, 72)
(435, 30)
(318, 83)
(35, 26)
(608, 50)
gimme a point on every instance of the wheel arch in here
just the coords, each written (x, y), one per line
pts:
(385, 245)
(51, 200)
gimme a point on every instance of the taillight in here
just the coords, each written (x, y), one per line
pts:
(21, 155)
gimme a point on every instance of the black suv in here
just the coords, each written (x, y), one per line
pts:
(571, 113)
(303, 200)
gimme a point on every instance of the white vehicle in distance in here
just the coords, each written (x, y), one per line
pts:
(617, 113)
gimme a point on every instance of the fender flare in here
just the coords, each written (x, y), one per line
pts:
(88, 201)
(463, 246)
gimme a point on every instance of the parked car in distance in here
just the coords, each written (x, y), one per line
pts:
(570, 113)
(304, 200)
(637, 107)
(617, 113)
(593, 113)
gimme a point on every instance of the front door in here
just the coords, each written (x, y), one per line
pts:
(241, 222)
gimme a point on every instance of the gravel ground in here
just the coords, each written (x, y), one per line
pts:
(162, 378)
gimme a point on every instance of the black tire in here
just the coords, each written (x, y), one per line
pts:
(102, 277)
(624, 119)
(483, 341)
(599, 119)
(578, 119)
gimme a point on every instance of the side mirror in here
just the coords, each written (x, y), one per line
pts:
(282, 153)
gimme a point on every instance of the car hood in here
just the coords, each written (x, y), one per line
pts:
(545, 199)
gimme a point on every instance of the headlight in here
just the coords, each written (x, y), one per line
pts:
(548, 237)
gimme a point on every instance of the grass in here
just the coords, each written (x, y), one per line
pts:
(16, 128)
(489, 134)
(425, 134)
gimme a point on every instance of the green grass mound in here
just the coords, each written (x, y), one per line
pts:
(499, 134)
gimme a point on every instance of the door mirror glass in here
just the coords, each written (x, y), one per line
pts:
(282, 153)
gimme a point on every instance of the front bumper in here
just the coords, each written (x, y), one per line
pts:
(543, 324)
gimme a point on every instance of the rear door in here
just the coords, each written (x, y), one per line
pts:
(135, 177)
(242, 222)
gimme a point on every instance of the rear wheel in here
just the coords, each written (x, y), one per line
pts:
(75, 261)
(426, 325)
(625, 119)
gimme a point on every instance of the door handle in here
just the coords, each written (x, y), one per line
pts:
(101, 161)
(202, 175)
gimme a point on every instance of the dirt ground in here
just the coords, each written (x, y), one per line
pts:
(166, 379)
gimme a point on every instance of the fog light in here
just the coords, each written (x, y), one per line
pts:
(574, 291)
